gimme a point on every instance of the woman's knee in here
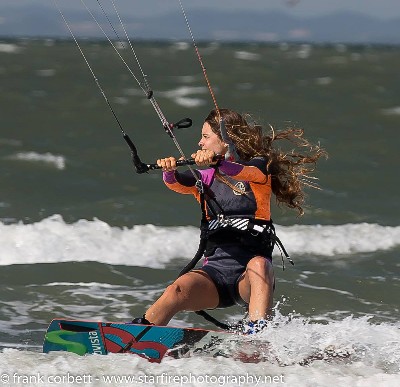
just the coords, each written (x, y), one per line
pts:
(260, 269)
(175, 293)
(192, 291)
(260, 265)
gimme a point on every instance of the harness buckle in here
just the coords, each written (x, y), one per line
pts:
(223, 220)
(200, 187)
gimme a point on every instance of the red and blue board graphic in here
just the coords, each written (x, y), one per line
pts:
(148, 341)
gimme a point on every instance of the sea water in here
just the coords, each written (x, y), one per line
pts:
(83, 236)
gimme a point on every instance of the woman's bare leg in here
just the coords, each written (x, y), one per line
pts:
(191, 292)
(256, 287)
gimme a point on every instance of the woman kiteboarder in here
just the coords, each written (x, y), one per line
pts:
(237, 267)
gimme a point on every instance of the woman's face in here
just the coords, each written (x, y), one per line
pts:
(210, 141)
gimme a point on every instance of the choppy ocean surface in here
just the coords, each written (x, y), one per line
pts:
(83, 236)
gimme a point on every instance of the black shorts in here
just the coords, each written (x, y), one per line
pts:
(225, 266)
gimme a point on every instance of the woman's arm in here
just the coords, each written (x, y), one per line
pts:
(181, 182)
(253, 171)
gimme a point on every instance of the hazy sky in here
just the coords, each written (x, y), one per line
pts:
(385, 9)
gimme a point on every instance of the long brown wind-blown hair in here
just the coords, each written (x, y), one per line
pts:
(290, 170)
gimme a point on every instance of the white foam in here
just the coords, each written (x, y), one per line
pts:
(351, 352)
(395, 111)
(189, 102)
(181, 46)
(53, 240)
(339, 240)
(183, 95)
(366, 344)
(323, 81)
(56, 160)
(9, 48)
(245, 55)
(46, 73)
(304, 51)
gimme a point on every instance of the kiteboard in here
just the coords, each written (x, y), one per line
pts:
(148, 341)
(156, 343)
